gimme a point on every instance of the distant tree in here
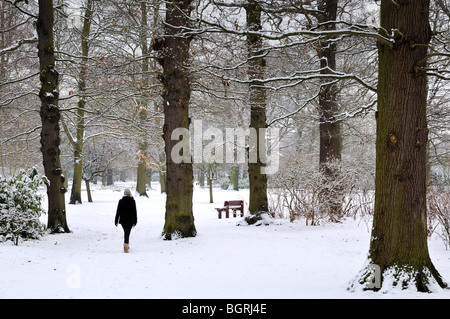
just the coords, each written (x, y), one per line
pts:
(143, 102)
(78, 142)
(330, 129)
(19, 137)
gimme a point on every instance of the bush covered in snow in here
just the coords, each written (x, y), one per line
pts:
(20, 207)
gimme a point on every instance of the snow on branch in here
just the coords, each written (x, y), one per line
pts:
(301, 107)
(274, 35)
(300, 77)
(352, 29)
(18, 44)
(15, 4)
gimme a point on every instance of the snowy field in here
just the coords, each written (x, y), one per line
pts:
(281, 261)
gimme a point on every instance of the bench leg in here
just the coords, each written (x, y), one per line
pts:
(220, 214)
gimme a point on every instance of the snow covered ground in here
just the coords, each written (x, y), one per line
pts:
(284, 260)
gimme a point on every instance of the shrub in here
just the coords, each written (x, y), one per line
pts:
(438, 200)
(20, 207)
(299, 191)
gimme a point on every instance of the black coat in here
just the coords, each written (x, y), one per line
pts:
(126, 212)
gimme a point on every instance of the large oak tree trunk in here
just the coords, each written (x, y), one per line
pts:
(179, 218)
(257, 98)
(399, 234)
(50, 116)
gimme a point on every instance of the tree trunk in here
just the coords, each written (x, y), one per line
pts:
(257, 97)
(202, 179)
(50, 116)
(399, 234)
(179, 218)
(88, 190)
(143, 104)
(162, 181)
(234, 177)
(210, 184)
(329, 128)
(109, 177)
(75, 195)
(142, 172)
(104, 178)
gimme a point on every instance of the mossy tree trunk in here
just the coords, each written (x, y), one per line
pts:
(179, 217)
(329, 128)
(257, 98)
(234, 177)
(88, 190)
(50, 116)
(399, 233)
(162, 181)
(141, 183)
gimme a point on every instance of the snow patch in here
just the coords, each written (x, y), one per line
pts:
(287, 260)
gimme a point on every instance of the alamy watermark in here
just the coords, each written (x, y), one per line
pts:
(374, 279)
(74, 278)
(216, 146)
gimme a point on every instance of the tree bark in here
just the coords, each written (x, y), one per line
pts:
(329, 128)
(49, 112)
(234, 177)
(75, 195)
(143, 104)
(257, 98)
(141, 182)
(162, 181)
(88, 190)
(109, 177)
(179, 217)
(399, 234)
(210, 184)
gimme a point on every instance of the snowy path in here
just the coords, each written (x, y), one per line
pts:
(288, 260)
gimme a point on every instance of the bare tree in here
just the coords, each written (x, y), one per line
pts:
(77, 143)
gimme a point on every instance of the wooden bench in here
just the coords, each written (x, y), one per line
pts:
(234, 205)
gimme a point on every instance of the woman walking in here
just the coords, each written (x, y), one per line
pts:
(126, 216)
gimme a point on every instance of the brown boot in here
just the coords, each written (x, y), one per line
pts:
(126, 247)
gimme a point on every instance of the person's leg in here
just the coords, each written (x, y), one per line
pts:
(127, 231)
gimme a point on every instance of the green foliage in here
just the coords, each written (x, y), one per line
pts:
(20, 207)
